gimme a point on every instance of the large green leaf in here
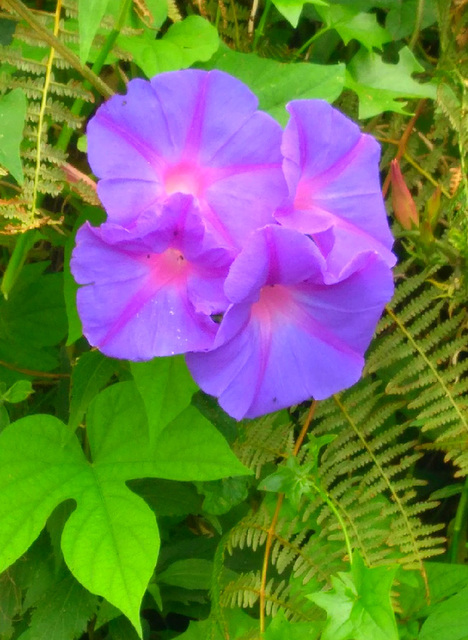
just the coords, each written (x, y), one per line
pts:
(110, 542)
(12, 116)
(166, 386)
(276, 83)
(191, 40)
(381, 86)
(359, 606)
(191, 448)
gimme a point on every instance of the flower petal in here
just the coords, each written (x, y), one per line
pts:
(193, 132)
(137, 304)
(333, 177)
(301, 337)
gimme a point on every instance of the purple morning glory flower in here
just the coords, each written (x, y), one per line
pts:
(150, 294)
(332, 171)
(293, 330)
(209, 214)
(192, 132)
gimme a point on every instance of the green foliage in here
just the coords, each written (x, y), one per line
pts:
(449, 620)
(62, 611)
(34, 309)
(421, 356)
(292, 9)
(359, 606)
(191, 40)
(25, 73)
(12, 116)
(381, 85)
(166, 387)
(91, 373)
(110, 542)
(351, 24)
(90, 15)
(276, 84)
(402, 18)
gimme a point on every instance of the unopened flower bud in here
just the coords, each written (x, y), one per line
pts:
(403, 204)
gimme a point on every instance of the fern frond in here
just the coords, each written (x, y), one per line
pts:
(262, 441)
(422, 344)
(365, 472)
(244, 592)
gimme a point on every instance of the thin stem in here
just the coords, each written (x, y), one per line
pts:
(251, 22)
(319, 33)
(21, 9)
(305, 428)
(325, 497)
(40, 124)
(274, 521)
(403, 142)
(32, 372)
(459, 524)
(417, 24)
(266, 559)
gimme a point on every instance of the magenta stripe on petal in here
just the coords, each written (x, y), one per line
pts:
(332, 170)
(294, 330)
(173, 135)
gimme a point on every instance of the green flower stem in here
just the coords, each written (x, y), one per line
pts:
(417, 24)
(67, 132)
(326, 498)
(459, 524)
(317, 35)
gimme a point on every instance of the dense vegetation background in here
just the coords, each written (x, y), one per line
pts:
(347, 519)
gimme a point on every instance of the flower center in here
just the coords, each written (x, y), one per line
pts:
(273, 303)
(183, 178)
(168, 267)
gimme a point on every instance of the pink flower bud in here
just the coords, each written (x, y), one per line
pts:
(404, 206)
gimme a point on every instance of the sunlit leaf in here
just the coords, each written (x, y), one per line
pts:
(381, 86)
(166, 388)
(277, 83)
(190, 40)
(110, 542)
(353, 25)
(358, 605)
